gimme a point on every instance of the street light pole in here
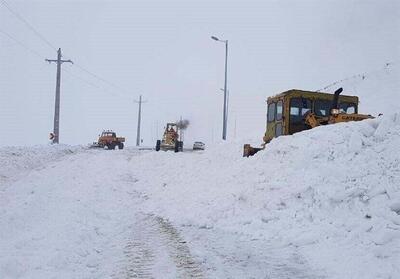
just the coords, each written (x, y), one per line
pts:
(225, 92)
(227, 105)
(224, 118)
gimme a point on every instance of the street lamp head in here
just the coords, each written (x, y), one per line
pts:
(214, 38)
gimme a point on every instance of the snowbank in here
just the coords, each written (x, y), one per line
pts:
(332, 192)
(327, 198)
(15, 161)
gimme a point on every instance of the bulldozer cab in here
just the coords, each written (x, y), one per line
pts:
(286, 112)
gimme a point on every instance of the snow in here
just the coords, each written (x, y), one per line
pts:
(331, 190)
(323, 203)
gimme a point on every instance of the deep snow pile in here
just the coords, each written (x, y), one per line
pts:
(15, 161)
(332, 192)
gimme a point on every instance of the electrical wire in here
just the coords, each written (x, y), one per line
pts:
(362, 76)
(36, 53)
(47, 42)
(99, 77)
(93, 84)
(22, 44)
(33, 29)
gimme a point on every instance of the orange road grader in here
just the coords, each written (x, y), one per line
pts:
(296, 110)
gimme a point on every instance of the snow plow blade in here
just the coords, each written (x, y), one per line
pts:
(250, 151)
(95, 145)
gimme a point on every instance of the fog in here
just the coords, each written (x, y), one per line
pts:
(162, 50)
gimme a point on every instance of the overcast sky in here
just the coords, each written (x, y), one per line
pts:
(163, 50)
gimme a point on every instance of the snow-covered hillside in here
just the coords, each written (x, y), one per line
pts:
(324, 203)
(377, 89)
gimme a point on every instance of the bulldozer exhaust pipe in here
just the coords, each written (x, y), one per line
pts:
(335, 102)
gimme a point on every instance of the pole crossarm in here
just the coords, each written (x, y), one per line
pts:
(61, 61)
(137, 102)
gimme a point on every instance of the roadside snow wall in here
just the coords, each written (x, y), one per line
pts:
(332, 192)
(17, 161)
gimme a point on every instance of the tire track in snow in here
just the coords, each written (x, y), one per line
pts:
(156, 250)
(229, 255)
(179, 250)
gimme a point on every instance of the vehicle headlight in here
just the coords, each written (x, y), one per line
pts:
(335, 111)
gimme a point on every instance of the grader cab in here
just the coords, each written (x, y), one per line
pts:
(296, 110)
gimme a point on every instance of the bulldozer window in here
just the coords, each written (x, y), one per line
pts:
(298, 108)
(278, 129)
(271, 112)
(322, 107)
(347, 108)
(279, 108)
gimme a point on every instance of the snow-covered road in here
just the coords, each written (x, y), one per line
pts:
(80, 215)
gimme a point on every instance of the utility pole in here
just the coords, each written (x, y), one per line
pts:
(56, 128)
(139, 120)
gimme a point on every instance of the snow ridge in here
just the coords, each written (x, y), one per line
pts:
(332, 193)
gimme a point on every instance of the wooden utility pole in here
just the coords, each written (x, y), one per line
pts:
(56, 129)
(139, 120)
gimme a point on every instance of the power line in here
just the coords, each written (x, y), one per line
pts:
(104, 89)
(41, 37)
(22, 44)
(362, 76)
(17, 15)
(82, 79)
(36, 53)
(99, 77)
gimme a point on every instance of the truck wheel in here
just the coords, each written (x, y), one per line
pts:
(177, 146)
(111, 146)
(181, 146)
(121, 145)
(158, 145)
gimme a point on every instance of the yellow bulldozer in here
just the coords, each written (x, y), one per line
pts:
(297, 110)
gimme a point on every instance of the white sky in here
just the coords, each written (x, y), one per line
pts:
(163, 50)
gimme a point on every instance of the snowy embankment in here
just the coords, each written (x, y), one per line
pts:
(17, 161)
(322, 203)
(332, 193)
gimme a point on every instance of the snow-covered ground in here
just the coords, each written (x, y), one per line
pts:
(324, 203)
